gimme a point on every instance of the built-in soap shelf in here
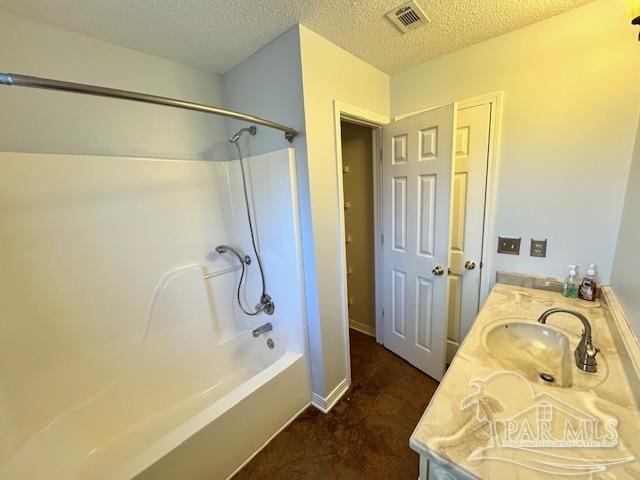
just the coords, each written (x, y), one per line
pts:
(195, 295)
(222, 271)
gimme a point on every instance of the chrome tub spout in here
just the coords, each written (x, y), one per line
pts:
(267, 327)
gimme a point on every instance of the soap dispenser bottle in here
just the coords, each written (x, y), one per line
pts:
(588, 287)
(571, 284)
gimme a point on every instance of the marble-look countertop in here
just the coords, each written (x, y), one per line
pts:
(483, 408)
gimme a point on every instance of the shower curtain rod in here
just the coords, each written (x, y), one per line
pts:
(48, 84)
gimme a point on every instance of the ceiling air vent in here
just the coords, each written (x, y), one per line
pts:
(408, 16)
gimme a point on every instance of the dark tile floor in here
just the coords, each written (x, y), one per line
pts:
(365, 436)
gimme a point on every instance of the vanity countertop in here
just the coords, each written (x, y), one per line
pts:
(495, 420)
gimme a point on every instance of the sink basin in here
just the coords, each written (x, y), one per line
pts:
(533, 350)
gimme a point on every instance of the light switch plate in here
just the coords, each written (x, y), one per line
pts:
(538, 248)
(509, 245)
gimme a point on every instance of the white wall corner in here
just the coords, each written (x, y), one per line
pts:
(325, 404)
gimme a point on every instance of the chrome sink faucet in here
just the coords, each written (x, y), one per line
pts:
(586, 353)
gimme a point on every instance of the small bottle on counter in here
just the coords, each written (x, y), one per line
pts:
(588, 287)
(571, 284)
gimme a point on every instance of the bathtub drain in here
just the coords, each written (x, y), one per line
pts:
(270, 343)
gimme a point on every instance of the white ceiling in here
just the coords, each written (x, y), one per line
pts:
(218, 34)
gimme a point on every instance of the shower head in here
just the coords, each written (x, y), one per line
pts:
(252, 131)
(221, 249)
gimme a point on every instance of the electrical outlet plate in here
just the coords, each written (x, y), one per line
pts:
(509, 245)
(538, 248)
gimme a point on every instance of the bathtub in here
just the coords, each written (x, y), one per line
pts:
(120, 360)
(190, 406)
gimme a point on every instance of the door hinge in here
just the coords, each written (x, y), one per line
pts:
(383, 312)
(382, 239)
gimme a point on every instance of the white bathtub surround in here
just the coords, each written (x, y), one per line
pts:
(121, 344)
(484, 385)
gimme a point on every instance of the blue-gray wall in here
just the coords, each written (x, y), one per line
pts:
(54, 122)
(625, 279)
(269, 84)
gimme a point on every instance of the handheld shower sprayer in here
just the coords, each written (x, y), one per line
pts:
(266, 305)
(222, 249)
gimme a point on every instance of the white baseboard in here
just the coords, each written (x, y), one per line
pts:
(452, 348)
(325, 404)
(362, 328)
(268, 441)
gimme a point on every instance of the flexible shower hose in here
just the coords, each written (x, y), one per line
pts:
(263, 296)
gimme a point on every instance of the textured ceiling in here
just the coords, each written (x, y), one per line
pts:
(218, 34)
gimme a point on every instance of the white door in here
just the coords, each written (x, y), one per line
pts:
(467, 221)
(416, 175)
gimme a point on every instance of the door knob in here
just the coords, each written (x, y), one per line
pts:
(470, 265)
(438, 271)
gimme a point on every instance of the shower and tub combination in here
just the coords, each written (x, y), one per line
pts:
(157, 320)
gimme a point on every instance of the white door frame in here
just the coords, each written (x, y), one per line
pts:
(489, 244)
(354, 114)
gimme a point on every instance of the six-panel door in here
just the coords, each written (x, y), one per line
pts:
(417, 163)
